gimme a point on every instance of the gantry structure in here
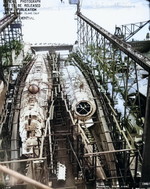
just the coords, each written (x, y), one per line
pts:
(10, 34)
(116, 67)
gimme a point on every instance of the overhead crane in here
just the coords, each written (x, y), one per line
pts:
(126, 31)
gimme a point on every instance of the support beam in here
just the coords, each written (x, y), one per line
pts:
(22, 177)
(107, 152)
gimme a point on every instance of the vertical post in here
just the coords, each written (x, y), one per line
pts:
(78, 7)
(126, 90)
(113, 79)
(145, 179)
(136, 166)
(125, 166)
(104, 61)
(15, 7)
(138, 96)
(91, 48)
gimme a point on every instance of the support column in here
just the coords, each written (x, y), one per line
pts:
(145, 179)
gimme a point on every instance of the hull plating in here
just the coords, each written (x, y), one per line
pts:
(34, 107)
(78, 92)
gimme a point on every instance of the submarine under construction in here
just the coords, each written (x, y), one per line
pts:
(73, 116)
